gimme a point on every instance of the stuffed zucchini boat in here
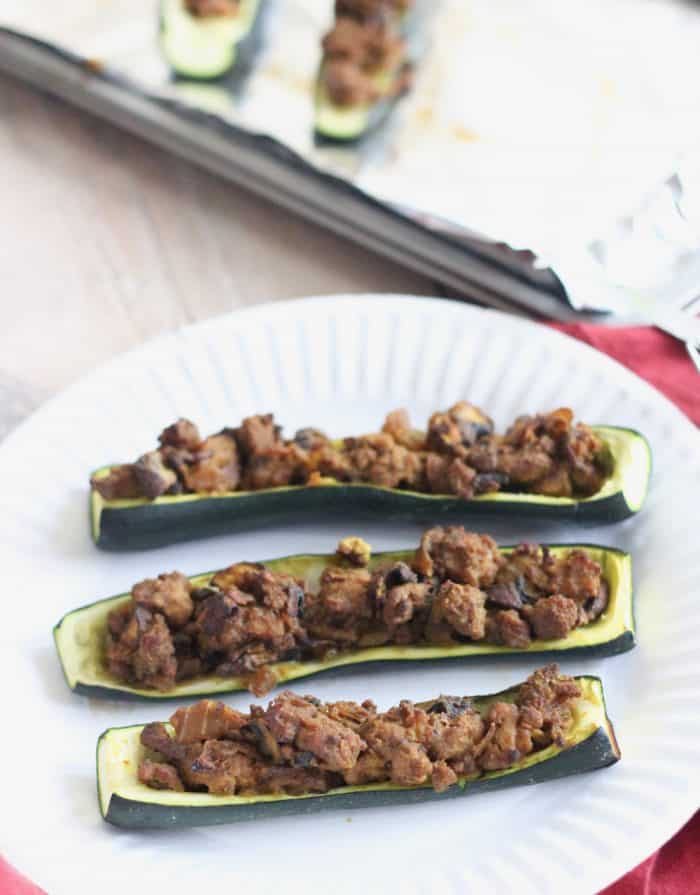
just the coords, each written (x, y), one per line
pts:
(215, 765)
(199, 38)
(458, 596)
(367, 64)
(544, 466)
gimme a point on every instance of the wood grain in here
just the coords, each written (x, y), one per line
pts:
(108, 241)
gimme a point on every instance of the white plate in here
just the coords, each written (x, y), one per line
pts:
(342, 363)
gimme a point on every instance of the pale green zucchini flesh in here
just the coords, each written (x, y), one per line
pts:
(344, 123)
(203, 47)
(126, 802)
(80, 635)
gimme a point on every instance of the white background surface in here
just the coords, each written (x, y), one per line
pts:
(342, 364)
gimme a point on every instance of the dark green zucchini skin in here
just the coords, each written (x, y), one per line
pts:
(598, 751)
(155, 525)
(622, 644)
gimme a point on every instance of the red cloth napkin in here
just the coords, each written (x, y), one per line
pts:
(650, 353)
(673, 870)
(13, 883)
(664, 362)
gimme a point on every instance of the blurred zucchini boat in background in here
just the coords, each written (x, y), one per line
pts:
(545, 466)
(199, 38)
(458, 596)
(300, 756)
(367, 64)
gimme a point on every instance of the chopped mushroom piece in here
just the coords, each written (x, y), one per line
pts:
(153, 476)
(182, 434)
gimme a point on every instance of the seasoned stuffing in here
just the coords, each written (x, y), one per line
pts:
(457, 586)
(345, 593)
(212, 8)
(300, 745)
(458, 555)
(365, 41)
(214, 467)
(460, 455)
(451, 475)
(461, 606)
(506, 627)
(144, 652)
(153, 476)
(119, 483)
(458, 429)
(380, 460)
(295, 721)
(553, 617)
(364, 10)
(348, 85)
(355, 550)
(169, 594)
(160, 775)
(369, 46)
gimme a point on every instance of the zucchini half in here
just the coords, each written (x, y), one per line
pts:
(138, 524)
(79, 636)
(341, 124)
(203, 48)
(125, 802)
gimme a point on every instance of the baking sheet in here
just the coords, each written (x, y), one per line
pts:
(549, 127)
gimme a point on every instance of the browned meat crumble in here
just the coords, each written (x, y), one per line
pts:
(460, 454)
(300, 745)
(368, 9)
(206, 9)
(365, 39)
(457, 587)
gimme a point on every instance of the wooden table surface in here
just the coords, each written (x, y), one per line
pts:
(108, 241)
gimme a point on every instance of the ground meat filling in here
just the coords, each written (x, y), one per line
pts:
(364, 10)
(459, 454)
(458, 587)
(365, 40)
(212, 8)
(379, 459)
(299, 745)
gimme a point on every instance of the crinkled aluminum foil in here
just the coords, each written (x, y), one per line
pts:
(570, 129)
